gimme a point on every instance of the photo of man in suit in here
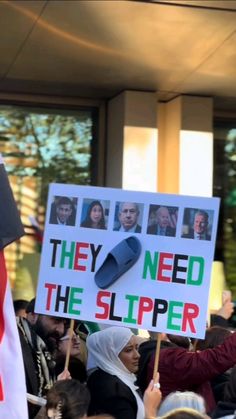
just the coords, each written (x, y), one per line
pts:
(162, 226)
(199, 230)
(62, 212)
(128, 217)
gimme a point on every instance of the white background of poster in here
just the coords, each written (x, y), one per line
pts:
(131, 282)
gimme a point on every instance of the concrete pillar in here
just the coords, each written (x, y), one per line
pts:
(132, 141)
(185, 155)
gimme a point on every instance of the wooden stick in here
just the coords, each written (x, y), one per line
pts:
(157, 355)
(71, 330)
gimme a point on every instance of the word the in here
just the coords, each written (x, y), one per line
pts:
(68, 298)
(72, 255)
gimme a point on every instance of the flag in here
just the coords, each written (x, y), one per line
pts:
(13, 402)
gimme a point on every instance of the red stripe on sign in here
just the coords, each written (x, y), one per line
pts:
(3, 284)
(1, 391)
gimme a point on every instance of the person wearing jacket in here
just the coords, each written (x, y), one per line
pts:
(182, 370)
(227, 406)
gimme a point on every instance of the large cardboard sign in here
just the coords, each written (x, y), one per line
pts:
(141, 260)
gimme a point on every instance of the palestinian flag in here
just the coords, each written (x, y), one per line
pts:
(13, 404)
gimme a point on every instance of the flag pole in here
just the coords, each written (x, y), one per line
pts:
(157, 354)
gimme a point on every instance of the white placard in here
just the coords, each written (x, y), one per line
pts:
(165, 290)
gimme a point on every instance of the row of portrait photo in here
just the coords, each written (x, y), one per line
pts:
(128, 217)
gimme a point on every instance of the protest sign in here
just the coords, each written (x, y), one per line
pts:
(141, 260)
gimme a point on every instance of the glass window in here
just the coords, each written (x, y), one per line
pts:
(40, 146)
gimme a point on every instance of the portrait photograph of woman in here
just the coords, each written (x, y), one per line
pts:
(95, 214)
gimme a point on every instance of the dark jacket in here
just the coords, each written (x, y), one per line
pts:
(183, 370)
(69, 222)
(218, 385)
(137, 229)
(224, 409)
(170, 231)
(190, 235)
(111, 396)
(39, 376)
(217, 320)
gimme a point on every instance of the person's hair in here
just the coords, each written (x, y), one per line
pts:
(201, 212)
(102, 416)
(215, 335)
(182, 399)
(19, 305)
(69, 397)
(182, 341)
(158, 211)
(230, 387)
(184, 413)
(30, 306)
(88, 222)
(64, 200)
(121, 204)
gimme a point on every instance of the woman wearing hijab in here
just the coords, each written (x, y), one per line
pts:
(112, 385)
(95, 216)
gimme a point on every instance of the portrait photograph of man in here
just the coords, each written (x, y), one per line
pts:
(63, 211)
(197, 224)
(128, 217)
(162, 220)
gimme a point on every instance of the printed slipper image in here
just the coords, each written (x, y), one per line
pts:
(121, 258)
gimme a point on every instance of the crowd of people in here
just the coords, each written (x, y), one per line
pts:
(110, 373)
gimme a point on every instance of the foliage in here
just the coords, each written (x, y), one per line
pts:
(225, 187)
(54, 147)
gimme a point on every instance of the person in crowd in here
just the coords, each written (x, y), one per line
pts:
(67, 399)
(199, 230)
(147, 348)
(76, 367)
(162, 226)
(112, 383)
(180, 399)
(62, 212)
(226, 407)
(183, 370)
(49, 328)
(95, 216)
(215, 335)
(20, 307)
(223, 314)
(128, 217)
(152, 398)
(37, 333)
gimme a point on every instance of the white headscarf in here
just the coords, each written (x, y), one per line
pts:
(104, 347)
